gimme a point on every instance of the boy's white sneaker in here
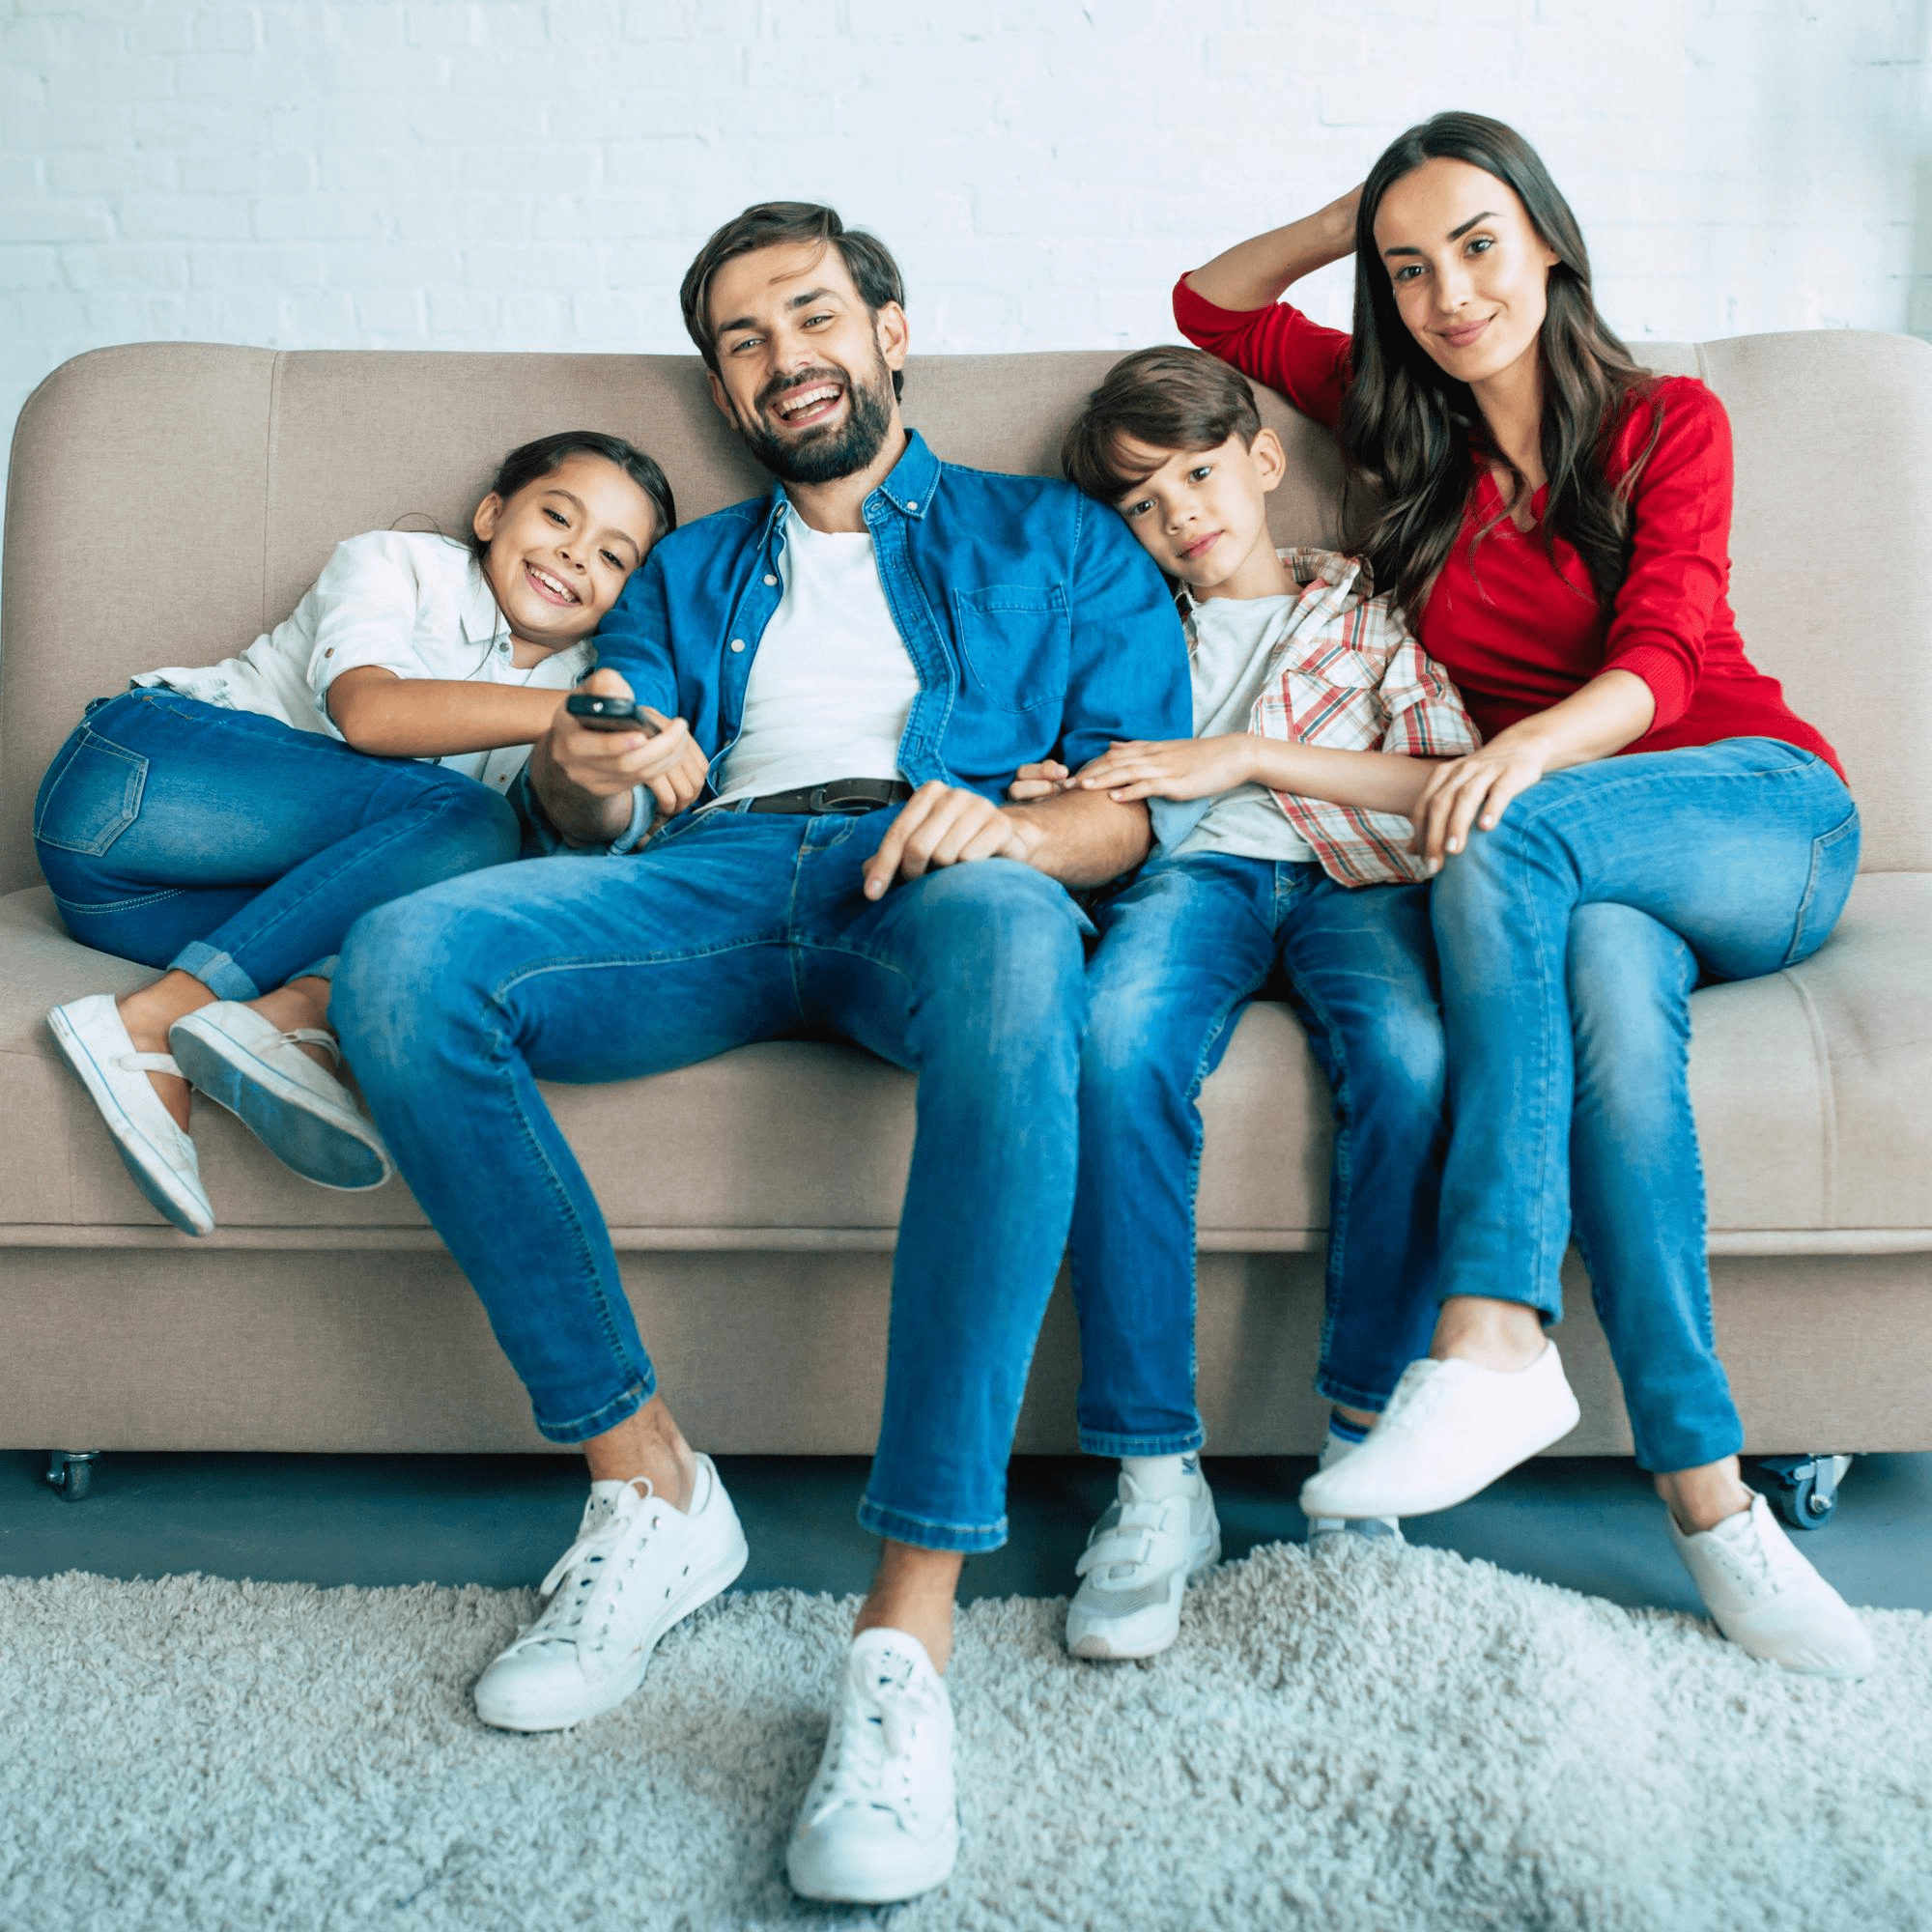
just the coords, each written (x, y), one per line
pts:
(1450, 1430)
(1768, 1599)
(1139, 1560)
(880, 1821)
(638, 1566)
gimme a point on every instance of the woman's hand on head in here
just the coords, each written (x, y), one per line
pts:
(663, 756)
(1471, 794)
(1171, 767)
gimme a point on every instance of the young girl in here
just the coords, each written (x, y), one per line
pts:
(231, 823)
(1645, 812)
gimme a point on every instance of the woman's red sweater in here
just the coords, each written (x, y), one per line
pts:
(1520, 630)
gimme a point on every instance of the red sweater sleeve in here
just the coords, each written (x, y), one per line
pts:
(1680, 545)
(1276, 345)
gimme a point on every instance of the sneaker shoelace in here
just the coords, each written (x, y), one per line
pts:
(586, 1576)
(870, 1755)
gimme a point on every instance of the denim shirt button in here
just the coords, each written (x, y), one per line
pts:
(769, 577)
(912, 502)
(737, 643)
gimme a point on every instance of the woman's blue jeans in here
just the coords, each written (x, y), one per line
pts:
(237, 848)
(1570, 938)
(1183, 950)
(725, 929)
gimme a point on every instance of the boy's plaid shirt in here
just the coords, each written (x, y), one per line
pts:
(1345, 674)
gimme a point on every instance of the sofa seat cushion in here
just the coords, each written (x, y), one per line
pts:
(1809, 1087)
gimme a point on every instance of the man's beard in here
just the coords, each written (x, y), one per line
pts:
(823, 456)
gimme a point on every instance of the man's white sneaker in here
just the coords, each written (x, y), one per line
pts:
(638, 1566)
(880, 1821)
(1139, 1560)
(1364, 1529)
(1768, 1599)
(94, 1038)
(1450, 1430)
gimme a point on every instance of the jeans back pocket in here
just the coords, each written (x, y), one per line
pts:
(91, 794)
(1834, 866)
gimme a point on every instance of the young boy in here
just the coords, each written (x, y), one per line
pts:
(1283, 859)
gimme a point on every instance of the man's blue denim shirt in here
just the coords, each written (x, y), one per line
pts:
(1039, 627)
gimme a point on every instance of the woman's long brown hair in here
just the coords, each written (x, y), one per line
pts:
(1414, 439)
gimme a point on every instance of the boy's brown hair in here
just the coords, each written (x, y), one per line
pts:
(1167, 398)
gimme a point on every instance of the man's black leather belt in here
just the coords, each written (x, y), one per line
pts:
(835, 795)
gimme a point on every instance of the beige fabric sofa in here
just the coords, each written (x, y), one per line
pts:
(168, 502)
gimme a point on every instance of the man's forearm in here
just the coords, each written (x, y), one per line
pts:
(1083, 838)
(581, 816)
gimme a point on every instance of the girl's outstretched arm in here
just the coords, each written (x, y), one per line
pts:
(391, 716)
(1253, 274)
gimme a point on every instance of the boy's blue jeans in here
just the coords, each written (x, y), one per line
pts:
(1570, 938)
(1183, 950)
(239, 849)
(728, 929)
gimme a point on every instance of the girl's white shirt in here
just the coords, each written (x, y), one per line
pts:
(404, 601)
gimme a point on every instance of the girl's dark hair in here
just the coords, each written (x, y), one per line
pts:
(531, 462)
(1413, 436)
(1167, 398)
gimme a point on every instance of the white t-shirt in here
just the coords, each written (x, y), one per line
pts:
(832, 684)
(410, 602)
(1230, 640)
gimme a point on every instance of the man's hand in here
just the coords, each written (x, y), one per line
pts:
(1172, 767)
(663, 757)
(945, 825)
(1045, 780)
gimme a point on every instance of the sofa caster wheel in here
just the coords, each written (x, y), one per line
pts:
(1806, 1487)
(70, 1472)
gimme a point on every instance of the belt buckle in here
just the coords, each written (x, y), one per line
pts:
(831, 798)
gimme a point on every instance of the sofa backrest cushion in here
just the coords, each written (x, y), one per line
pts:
(168, 502)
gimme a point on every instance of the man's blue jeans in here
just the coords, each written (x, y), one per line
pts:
(1183, 950)
(237, 848)
(1570, 938)
(733, 928)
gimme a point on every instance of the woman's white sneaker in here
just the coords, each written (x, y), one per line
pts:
(880, 1821)
(1768, 1599)
(94, 1038)
(637, 1567)
(1322, 1530)
(1139, 1560)
(1450, 1430)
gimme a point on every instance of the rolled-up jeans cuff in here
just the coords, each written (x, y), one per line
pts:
(602, 1419)
(216, 971)
(969, 1539)
(1097, 1443)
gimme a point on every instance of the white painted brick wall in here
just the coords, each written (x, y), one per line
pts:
(535, 174)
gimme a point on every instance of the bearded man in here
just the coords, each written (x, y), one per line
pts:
(836, 683)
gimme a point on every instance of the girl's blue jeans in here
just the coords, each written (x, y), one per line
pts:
(1182, 951)
(725, 929)
(237, 848)
(1570, 938)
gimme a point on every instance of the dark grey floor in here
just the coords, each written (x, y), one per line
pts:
(1588, 1525)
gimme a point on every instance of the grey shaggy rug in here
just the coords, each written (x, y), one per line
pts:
(1366, 1740)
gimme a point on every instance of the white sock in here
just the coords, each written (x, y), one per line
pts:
(1160, 1476)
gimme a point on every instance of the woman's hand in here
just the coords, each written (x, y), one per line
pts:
(1171, 767)
(1044, 780)
(1472, 792)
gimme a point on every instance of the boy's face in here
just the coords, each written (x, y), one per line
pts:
(1201, 514)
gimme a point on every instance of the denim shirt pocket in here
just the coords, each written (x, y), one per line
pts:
(91, 794)
(1014, 641)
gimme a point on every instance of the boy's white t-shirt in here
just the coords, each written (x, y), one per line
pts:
(1230, 643)
(408, 602)
(832, 685)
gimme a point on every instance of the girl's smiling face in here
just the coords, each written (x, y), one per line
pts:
(562, 547)
(1471, 275)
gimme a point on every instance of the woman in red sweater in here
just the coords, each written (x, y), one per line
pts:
(1645, 814)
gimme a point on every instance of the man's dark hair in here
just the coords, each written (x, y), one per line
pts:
(774, 224)
(531, 462)
(1166, 398)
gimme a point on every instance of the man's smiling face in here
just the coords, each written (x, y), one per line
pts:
(805, 369)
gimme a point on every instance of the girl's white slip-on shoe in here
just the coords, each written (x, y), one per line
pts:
(94, 1038)
(1450, 1430)
(306, 1118)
